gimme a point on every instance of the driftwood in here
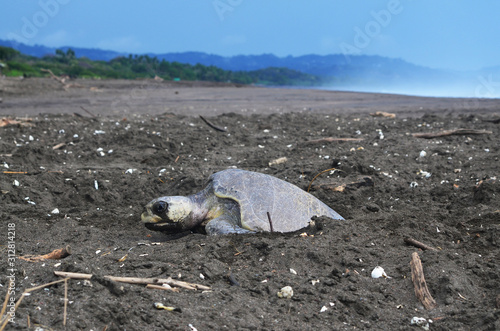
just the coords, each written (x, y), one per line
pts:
(213, 126)
(21, 122)
(56, 254)
(418, 244)
(383, 114)
(450, 133)
(137, 280)
(331, 139)
(421, 290)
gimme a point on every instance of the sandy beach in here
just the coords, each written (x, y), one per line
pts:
(80, 160)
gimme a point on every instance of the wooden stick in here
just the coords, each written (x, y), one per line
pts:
(7, 296)
(5, 319)
(65, 300)
(160, 287)
(87, 111)
(419, 284)
(383, 114)
(418, 244)
(450, 133)
(270, 222)
(72, 275)
(213, 126)
(331, 139)
(56, 254)
(137, 280)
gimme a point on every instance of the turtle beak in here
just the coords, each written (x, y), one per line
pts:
(156, 223)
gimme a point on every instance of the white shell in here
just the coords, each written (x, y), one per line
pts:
(286, 292)
(379, 272)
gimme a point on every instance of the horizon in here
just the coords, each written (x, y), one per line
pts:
(434, 35)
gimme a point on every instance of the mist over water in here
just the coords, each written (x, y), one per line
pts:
(470, 85)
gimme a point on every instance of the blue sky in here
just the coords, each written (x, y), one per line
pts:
(448, 34)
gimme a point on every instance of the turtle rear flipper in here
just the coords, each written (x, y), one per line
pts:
(224, 225)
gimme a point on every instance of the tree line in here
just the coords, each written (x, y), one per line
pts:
(143, 66)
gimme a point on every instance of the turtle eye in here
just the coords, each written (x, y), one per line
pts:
(159, 207)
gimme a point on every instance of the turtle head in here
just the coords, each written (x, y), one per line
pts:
(169, 214)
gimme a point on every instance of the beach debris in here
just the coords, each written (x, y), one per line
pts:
(379, 272)
(192, 327)
(422, 154)
(56, 254)
(137, 280)
(278, 161)
(4, 121)
(420, 321)
(418, 244)
(424, 173)
(293, 271)
(15, 182)
(331, 139)
(332, 171)
(58, 146)
(450, 133)
(323, 309)
(380, 134)
(286, 292)
(96, 132)
(383, 114)
(55, 211)
(96, 185)
(417, 276)
(213, 126)
(413, 184)
(159, 305)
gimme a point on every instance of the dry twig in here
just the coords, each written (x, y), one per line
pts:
(213, 126)
(137, 280)
(5, 318)
(421, 290)
(270, 222)
(444, 133)
(383, 114)
(331, 139)
(418, 244)
(56, 254)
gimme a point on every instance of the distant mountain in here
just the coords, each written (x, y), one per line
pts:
(352, 72)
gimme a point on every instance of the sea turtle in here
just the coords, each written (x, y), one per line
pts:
(237, 201)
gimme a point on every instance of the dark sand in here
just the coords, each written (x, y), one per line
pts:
(148, 126)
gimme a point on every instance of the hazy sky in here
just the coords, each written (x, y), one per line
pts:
(451, 34)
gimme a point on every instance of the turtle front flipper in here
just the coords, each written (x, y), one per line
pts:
(224, 225)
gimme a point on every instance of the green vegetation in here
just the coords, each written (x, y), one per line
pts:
(143, 66)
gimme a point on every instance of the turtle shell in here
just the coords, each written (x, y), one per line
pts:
(290, 207)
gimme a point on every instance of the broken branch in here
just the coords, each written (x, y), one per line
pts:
(418, 244)
(450, 133)
(419, 284)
